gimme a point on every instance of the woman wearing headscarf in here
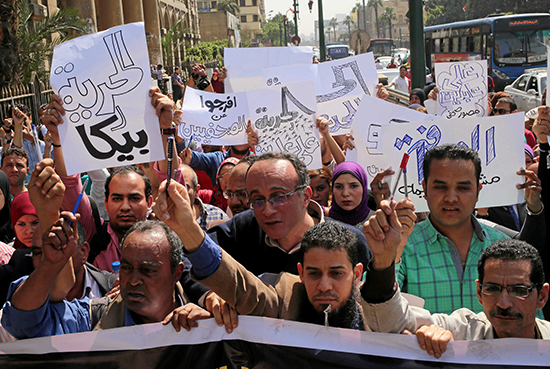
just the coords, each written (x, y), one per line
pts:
(6, 229)
(350, 194)
(417, 96)
(24, 220)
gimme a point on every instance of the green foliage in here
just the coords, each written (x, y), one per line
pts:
(444, 11)
(35, 38)
(207, 51)
(230, 6)
(481, 8)
(173, 40)
(246, 39)
(375, 4)
(334, 24)
(348, 22)
(387, 17)
(272, 29)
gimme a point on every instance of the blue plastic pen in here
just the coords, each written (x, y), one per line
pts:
(79, 198)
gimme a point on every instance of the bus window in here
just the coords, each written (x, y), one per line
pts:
(463, 44)
(437, 45)
(477, 44)
(520, 47)
(445, 45)
(454, 44)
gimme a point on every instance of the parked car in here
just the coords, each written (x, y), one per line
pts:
(528, 88)
(385, 60)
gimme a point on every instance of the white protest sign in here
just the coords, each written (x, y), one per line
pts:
(372, 115)
(339, 86)
(284, 117)
(498, 141)
(104, 81)
(244, 65)
(462, 89)
(214, 119)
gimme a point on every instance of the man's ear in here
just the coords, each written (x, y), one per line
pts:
(84, 251)
(478, 291)
(307, 195)
(301, 272)
(543, 296)
(424, 187)
(358, 273)
(178, 271)
(149, 201)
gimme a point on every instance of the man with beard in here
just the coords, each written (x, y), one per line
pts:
(329, 273)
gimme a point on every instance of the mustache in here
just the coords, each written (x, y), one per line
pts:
(506, 313)
(325, 294)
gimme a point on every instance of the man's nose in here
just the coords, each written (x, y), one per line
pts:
(325, 284)
(505, 301)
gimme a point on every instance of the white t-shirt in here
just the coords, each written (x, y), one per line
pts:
(401, 84)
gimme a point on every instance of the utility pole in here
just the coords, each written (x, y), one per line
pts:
(418, 56)
(364, 16)
(321, 33)
(296, 11)
(284, 38)
(281, 33)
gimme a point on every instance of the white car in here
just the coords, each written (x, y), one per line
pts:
(528, 88)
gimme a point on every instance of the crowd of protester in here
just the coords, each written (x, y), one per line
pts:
(238, 234)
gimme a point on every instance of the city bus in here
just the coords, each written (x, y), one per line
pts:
(510, 44)
(381, 47)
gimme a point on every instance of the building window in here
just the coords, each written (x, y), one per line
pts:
(214, 4)
(243, 18)
(254, 2)
(255, 18)
(243, 3)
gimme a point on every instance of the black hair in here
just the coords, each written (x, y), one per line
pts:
(125, 170)
(176, 247)
(14, 150)
(453, 152)
(508, 100)
(331, 235)
(299, 166)
(511, 250)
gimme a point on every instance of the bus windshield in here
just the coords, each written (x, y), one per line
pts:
(523, 47)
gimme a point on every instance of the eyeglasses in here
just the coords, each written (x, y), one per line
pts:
(240, 194)
(274, 201)
(515, 290)
(501, 111)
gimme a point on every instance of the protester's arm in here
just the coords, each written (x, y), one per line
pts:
(18, 118)
(382, 92)
(164, 108)
(337, 153)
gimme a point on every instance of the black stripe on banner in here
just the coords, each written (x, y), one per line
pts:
(236, 354)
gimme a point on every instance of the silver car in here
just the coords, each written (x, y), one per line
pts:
(528, 88)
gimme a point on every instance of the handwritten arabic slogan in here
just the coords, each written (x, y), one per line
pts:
(339, 86)
(214, 119)
(103, 79)
(498, 141)
(245, 65)
(462, 89)
(284, 118)
(372, 115)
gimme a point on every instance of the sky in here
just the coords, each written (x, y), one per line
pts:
(306, 20)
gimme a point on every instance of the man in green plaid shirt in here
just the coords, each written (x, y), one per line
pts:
(440, 258)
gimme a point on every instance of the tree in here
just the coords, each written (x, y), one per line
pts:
(230, 6)
(37, 40)
(481, 8)
(327, 33)
(374, 4)
(173, 40)
(207, 51)
(271, 30)
(445, 11)
(246, 39)
(9, 44)
(388, 16)
(334, 24)
(348, 22)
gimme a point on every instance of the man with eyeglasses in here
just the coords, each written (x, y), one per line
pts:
(510, 288)
(266, 238)
(236, 195)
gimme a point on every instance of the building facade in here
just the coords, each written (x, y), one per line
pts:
(220, 26)
(159, 17)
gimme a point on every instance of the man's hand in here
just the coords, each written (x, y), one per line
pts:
(113, 293)
(224, 313)
(383, 233)
(46, 192)
(541, 127)
(433, 94)
(253, 138)
(186, 156)
(222, 73)
(380, 189)
(186, 317)
(322, 125)
(381, 92)
(200, 69)
(18, 117)
(533, 189)
(177, 212)
(348, 143)
(163, 105)
(433, 339)
(59, 242)
(53, 117)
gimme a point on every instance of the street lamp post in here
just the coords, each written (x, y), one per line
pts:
(322, 51)
(296, 11)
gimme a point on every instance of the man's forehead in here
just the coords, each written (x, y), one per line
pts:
(320, 257)
(149, 245)
(124, 183)
(443, 164)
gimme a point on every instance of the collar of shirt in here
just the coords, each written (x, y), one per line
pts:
(129, 321)
(434, 233)
(91, 288)
(203, 212)
(315, 211)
